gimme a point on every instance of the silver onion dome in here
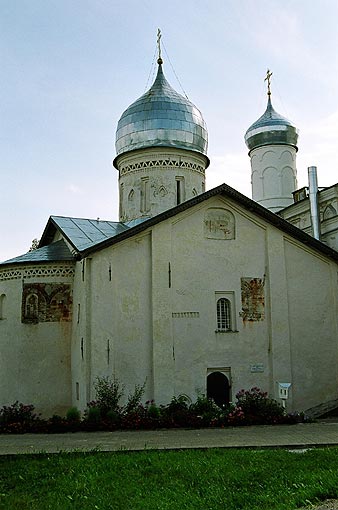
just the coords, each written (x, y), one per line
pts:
(161, 118)
(271, 129)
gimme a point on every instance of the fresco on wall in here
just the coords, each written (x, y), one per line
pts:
(219, 224)
(46, 302)
(252, 290)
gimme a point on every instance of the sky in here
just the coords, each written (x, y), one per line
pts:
(69, 68)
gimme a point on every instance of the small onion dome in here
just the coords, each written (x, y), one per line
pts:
(161, 118)
(271, 129)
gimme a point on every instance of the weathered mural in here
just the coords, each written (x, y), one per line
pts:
(46, 302)
(219, 224)
(252, 290)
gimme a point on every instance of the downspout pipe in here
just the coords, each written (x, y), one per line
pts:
(313, 196)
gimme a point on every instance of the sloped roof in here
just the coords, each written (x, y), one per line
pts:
(228, 192)
(88, 236)
(55, 252)
(83, 233)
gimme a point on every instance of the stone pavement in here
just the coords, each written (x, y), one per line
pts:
(305, 435)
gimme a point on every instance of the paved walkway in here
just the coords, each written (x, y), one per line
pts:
(306, 435)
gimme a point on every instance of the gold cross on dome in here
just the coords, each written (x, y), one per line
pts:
(159, 35)
(268, 79)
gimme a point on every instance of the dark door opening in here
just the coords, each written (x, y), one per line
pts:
(218, 388)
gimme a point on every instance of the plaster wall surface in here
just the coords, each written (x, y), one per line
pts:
(203, 270)
(273, 176)
(145, 310)
(35, 358)
(313, 313)
(152, 310)
(112, 336)
(154, 180)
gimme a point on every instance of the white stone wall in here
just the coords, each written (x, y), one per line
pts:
(159, 309)
(154, 180)
(313, 311)
(273, 176)
(35, 358)
(115, 319)
(144, 310)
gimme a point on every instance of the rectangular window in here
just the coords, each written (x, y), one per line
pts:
(223, 314)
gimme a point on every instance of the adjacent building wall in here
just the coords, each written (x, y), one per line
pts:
(35, 342)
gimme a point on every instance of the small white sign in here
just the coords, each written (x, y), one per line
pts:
(258, 367)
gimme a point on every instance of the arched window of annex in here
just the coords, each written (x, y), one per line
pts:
(2, 306)
(223, 314)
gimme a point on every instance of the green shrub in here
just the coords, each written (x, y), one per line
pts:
(176, 413)
(206, 411)
(73, 415)
(109, 392)
(114, 417)
(134, 399)
(153, 411)
(93, 414)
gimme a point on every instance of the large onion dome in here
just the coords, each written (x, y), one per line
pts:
(161, 118)
(271, 129)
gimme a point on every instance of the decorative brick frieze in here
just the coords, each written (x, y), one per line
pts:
(185, 315)
(59, 271)
(163, 163)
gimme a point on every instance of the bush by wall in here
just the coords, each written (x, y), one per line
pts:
(252, 407)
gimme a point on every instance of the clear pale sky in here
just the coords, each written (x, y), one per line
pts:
(69, 68)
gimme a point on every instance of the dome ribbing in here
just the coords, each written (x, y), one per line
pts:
(161, 118)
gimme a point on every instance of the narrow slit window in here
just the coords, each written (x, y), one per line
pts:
(2, 306)
(178, 192)
(223, 315)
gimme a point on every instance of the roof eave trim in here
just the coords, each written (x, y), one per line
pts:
(229, 192)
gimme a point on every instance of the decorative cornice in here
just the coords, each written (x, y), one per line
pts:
(45, 271)
(161, 163)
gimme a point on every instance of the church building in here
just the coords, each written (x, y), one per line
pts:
(191, 291)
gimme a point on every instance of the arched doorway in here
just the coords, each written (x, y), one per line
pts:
(218, 388)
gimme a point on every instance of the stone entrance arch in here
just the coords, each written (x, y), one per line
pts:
(218, 388)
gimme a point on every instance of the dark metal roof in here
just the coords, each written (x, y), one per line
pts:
(82, 233)
(88, 236)
(227, 192)
(55, 252)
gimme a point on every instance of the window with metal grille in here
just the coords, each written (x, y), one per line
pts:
(223, 314)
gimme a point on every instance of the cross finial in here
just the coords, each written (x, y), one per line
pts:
(159, 35)
(268, 77)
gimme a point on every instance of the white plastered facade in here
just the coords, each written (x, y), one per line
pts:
(144, 309)
(273, 175)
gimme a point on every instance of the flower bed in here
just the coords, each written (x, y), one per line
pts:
(252, 407)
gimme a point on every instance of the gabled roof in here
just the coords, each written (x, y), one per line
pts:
(227, 192)
(55, 252)
(81, 233)
(87, 236)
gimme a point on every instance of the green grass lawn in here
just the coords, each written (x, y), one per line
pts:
(190, 479)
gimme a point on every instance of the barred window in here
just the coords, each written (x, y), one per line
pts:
(223, 314)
